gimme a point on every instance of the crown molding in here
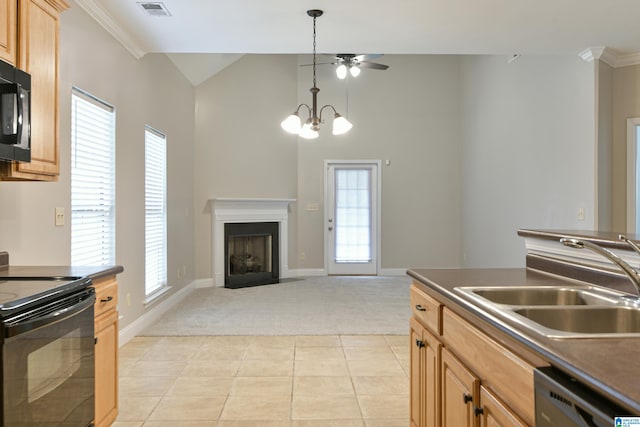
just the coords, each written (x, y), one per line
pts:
(609, 57)
(103, 18)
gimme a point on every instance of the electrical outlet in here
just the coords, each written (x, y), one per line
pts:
(580, 214)
(302, 256)
(128, 300)
(59, 217)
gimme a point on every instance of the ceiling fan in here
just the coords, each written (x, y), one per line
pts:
(353, 63)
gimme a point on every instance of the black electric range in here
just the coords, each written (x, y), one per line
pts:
(21, 294)
(47, 357)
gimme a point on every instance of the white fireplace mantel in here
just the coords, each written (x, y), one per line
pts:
(226, 210)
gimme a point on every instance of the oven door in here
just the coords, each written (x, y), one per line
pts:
(48, 364)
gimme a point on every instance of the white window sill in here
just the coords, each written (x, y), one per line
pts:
(152, 297)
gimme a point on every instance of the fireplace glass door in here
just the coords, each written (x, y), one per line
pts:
(251, 253)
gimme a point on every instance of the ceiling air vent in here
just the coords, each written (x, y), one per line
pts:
(154, 8)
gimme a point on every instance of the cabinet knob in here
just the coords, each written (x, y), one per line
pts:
(478, 411)
(420, 308)
(420, 343)
(466, 398)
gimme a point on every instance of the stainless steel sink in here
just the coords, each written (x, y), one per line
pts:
(541, 295)
(591, 320)
(561, 311)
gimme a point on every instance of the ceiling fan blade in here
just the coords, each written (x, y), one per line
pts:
(373, 65)
(368, 57)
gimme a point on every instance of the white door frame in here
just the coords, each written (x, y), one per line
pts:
(377, 209)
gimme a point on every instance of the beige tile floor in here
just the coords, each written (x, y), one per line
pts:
(265, 381)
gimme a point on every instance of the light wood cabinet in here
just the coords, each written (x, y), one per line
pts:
(8, 31)
(494, 413)
(459, 393)
(425, 377)
(38, 23)
(106, 351)
(467, 377)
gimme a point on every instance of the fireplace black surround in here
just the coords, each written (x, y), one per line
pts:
(251, 254)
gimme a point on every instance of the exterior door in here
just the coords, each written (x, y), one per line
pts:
(351, 217)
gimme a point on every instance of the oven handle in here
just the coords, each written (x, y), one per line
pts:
(49, 319)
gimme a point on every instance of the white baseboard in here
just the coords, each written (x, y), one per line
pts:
(204, 283)
(304, 272)
(149, 317)
(392, 272)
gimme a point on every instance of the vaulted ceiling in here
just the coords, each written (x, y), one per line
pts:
(202, 36)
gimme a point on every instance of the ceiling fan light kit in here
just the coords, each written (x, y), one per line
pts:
(310, 129)
(341, 71)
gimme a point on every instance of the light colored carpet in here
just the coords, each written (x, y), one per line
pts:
(333, 305)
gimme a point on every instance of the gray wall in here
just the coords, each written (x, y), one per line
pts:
(528, 132)
(477, 147)
(409, 115)
(604, 153)
(240, 150)
(146, 91)
(626, 104)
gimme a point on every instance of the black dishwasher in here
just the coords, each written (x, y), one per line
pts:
(562, 401)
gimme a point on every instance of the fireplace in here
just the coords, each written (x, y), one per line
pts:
(251, 254)
(229, 211)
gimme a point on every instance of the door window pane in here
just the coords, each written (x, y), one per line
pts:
(353, 215)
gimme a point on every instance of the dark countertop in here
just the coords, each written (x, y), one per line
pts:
(604, 238)
(609, 366)
(58, 271)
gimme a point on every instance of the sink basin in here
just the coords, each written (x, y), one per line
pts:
(541, 295)
(561, 311)
(550, 296)
(585, 320)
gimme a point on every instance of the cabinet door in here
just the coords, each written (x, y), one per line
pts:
(106, 368)
(8, 30)
(495, 413)
(460, 393)
(431, 375)
(425, 377)
(39, 41)
(416, 373)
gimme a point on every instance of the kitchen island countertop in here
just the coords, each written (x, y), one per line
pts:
(610, 366)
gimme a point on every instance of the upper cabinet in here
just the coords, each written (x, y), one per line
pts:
(38, 33)
(8, 25)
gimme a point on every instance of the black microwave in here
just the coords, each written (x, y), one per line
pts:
(15, 114)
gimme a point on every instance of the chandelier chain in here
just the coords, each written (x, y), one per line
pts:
(314, 51)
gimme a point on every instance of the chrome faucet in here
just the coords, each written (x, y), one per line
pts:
(633, 245)
(631, 273)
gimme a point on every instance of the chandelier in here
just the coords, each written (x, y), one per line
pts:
(293, 123)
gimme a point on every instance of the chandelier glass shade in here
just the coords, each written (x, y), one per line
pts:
(310, 128)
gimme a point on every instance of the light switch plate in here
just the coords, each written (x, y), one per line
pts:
(59, 217)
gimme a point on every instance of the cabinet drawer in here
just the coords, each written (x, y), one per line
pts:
(106, 294)
(427, 310)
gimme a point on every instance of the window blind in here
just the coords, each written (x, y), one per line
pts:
(92, 180)
(155, 211)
